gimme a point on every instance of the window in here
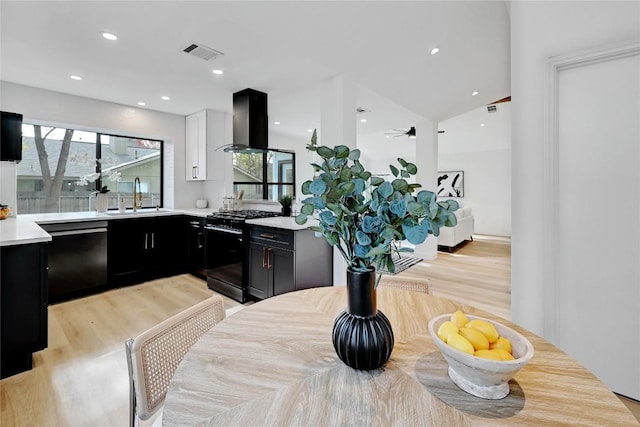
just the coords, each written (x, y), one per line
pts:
(62, 169)
(266, 175)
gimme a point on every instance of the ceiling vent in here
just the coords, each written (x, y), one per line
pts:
(492, 109)
(201, 51)
(361, 110)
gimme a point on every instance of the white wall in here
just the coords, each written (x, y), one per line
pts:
(90, 114)
(484, 154)
(378, 152)
(8, 185)
(539, 31)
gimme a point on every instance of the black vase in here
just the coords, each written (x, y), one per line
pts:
(286, 211)
(362, 335)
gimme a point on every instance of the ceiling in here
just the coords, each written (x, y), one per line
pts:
(287, 49)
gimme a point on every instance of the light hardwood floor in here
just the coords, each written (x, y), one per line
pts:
(81, 378)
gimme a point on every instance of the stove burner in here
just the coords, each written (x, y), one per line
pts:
(241, 215)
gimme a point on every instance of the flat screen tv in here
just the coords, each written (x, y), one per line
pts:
(11, 137)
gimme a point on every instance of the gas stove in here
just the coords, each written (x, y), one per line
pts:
(226, 250)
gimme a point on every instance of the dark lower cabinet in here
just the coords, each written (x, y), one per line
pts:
(259, 274)
(196, 261)
(146, 248)
(24, 305)
(283, 269)
(285, 260)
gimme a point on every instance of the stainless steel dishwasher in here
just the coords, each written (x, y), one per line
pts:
(77, 258)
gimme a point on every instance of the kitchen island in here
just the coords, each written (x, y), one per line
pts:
(23, 293)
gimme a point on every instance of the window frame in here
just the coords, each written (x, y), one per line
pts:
(98, 152)
(265, 166)
(99, 165)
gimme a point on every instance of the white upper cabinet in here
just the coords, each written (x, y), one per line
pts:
(196, 146)
(207, 132)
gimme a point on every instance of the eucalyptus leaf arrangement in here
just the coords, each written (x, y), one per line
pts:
(366, 216)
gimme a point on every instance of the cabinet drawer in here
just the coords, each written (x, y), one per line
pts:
(275, 237)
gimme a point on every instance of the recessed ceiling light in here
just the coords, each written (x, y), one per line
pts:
(435, 50)
(474, 93)
(481, 125)
(166, 98)
(74, 77)
(142, 104)
(218, 72)
(309, 130)
(276, 123)
(363, 120)
(412, 137)
(386, 136)
(109, 36)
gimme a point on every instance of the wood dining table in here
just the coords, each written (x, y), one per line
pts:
(273, 364)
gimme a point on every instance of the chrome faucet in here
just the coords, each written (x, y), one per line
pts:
(137, 193)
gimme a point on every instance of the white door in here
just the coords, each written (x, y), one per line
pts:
(598, 232)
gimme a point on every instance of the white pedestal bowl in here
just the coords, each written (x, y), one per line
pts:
(488, 379)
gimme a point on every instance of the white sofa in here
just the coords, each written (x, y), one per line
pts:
(452, 236)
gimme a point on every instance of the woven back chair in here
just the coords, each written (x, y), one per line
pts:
(407, 283)
(154, 355)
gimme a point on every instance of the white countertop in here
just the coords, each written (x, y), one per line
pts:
(20, 231)
(24, 229)
(285, 222)
(196, 212)
(49, 218)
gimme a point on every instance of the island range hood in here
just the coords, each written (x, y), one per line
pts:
(250, 122)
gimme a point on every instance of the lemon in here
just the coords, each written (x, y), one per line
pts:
(504, 354)
(459, 342)
(502, 343)
(488, 354)
(459, 319)
(447, 328)
(487, 329)
(475, 337)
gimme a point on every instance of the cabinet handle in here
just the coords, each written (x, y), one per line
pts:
(200, 244)
(269, 265)
(267, 236)
(264, 263)
(146, 239)
(153, 240)
(194, 172)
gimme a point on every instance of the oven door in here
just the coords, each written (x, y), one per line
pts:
(224, 253)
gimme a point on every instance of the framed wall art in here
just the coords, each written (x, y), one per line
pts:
(451, 184)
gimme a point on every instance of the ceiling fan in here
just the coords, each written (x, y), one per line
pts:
(411, 133)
